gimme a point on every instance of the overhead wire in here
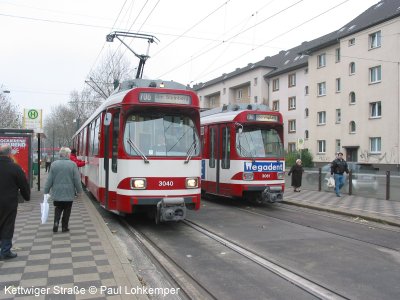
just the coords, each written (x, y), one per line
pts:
(278, 36)
(235, 35)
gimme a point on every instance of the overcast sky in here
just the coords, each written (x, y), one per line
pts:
(48, 47)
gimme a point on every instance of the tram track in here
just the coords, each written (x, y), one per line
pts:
(300, 281)
(263, 213)
(190, 287)
(194, 289)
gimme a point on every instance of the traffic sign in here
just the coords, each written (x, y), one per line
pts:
(33, 119)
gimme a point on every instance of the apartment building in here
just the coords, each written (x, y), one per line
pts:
(339, 92)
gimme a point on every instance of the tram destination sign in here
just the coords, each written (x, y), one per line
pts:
(262, 118)
(165, 98)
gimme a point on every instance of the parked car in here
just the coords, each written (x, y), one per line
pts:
(364, 177)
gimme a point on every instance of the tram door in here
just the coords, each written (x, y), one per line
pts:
(219, 161)
(111, 167)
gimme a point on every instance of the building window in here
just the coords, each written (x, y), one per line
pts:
(321, 118)
(375, 40)
(292, 103)
(352, 68)
(321, 60)
(338, 116)
(255, 99)
(306, 134)
(321, 89)
(275, 105)
(321, 146)
(352, 42)
(275, 84)
(375, 74)
(239, 94)
(223, 91)
(337, 145)
(337, 55)
(352, 127)
(375, 109)
(306, 90)
(291, 147)
(375, 144)
(255, 81)
(292, 80)
(352, 98)
(306, 112)
(338, 86)
(291, 126)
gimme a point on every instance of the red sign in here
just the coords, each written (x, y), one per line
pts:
(19, 152)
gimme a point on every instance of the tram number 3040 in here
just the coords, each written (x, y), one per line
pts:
(165, 183)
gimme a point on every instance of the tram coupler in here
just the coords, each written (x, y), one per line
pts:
(171, 209)
(272, 194)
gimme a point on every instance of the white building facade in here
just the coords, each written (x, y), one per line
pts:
(339, 92)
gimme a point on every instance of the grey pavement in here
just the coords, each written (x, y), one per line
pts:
(379, 210)
(84, 263)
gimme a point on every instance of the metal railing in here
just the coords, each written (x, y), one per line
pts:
(383, 185)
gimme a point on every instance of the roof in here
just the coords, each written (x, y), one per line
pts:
(295, 58)
(383, 11)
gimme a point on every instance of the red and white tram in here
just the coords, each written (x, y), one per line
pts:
(143, 150)
(243, 155)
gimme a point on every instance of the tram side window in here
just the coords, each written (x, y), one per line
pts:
(83, 148)
(115, 135)
(211, 162)
(226, 148)
(94, 137)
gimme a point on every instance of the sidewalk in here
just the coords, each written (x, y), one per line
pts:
(378, 210)
(81, 264)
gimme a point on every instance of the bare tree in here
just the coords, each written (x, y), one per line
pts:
(59, 126)
(65, 120)
(113, 68)
(10, 115)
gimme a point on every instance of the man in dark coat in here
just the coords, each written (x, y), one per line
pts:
(12, 179)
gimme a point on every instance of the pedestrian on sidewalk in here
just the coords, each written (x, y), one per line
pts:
(338, 167)
(63, 183)
(12, 179)
(47, 163)
(297, 173)
(75, 159)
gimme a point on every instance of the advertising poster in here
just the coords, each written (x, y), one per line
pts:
(19, 152)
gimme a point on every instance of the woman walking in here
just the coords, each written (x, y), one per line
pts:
(63, 183)
(297, 171)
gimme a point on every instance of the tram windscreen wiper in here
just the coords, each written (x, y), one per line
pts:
(190, 152)
(136, 148)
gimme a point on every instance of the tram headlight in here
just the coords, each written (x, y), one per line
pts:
(248, 176)
(138, 183)
(192, 183)
(281, 175)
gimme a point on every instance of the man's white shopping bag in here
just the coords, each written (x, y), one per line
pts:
(44, 208)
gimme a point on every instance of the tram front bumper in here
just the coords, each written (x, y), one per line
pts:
(272, 194)
(171, 209)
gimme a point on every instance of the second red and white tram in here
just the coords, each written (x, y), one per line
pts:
(143, 150)
(243, 155)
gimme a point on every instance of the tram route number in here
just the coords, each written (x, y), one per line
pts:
(162, 183)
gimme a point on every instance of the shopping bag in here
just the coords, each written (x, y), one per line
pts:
(44, 208)
(331, 182)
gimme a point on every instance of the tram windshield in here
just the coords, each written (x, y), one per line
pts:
(155, 135)
(258, 142)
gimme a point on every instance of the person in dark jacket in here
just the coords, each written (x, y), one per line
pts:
(75, 159)
(338, 167)
(63, 183)
(12, 179)
(297, 171)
